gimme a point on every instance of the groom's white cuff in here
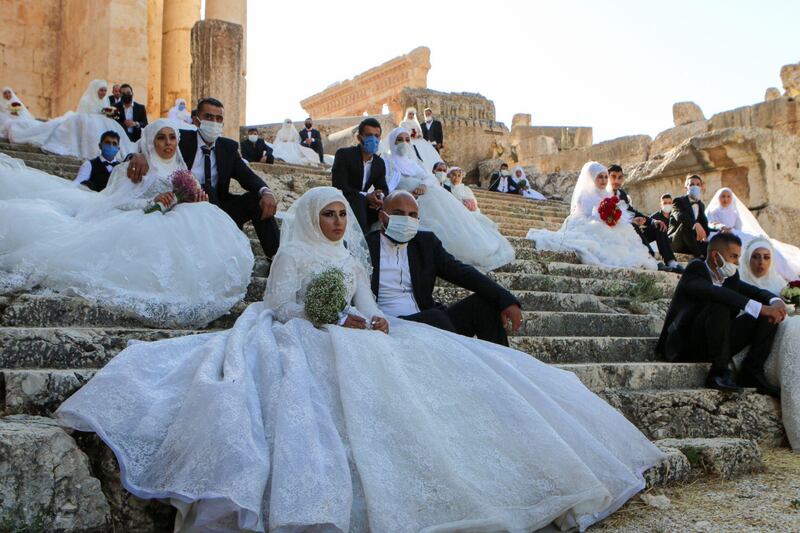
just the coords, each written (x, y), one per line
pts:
(753, 308)
(265, 190)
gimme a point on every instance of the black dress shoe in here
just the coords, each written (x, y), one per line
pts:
(678, 269)
(759, 381)
(723, 383)
(662, 267)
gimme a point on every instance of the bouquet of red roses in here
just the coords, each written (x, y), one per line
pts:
(609, 211)
(16, 107)
(185, 188)
(111, 112)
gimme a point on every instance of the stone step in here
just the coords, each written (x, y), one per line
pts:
(28, 157)
(701, 413)
(598, 272)
(573, 349)
(18, 147)
(572, 284)
(673, 470)
(725, 458)
(539, 301)
(557, 324)
(599, 377)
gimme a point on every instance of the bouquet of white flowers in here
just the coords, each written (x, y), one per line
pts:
(326, 297)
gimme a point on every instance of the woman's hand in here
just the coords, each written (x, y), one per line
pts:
(419, 191)
(201, 196)
(166, 199)
(472, 205)
(355, 322)
(380, 324)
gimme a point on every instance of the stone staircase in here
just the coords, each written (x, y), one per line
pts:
(600, 323)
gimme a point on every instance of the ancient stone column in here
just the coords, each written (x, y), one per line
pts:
(155, 30)
(176, 74)
(216, 67)
(233, 11)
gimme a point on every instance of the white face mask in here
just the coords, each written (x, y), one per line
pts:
(440, 176)
(210, 130)
(403, 149)
(726, 270)
(667, 208)
(252, 138)
(429, 118)
(401, 228)
(505, 173)
(695, 192)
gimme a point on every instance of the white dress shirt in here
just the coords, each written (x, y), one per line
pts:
(198, 167)
(695, 210)
(365, 177)
(85, 172)
(128, 114)
(502, 186)
(395, 292)
(753, 308)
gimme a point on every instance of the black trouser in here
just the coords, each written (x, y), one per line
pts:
(652, 233)
(684, 241)
(716, 338)
(472, 317)
(245, 207)
(317, 147)
(365, 215)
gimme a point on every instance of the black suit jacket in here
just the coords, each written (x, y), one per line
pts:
(435, 134)
(347, 173)
(683, 214)
(694, 291)
(315, 134)
(494, 183)
(229, 165)
(139, 115)
(253, 152)
(427, 260)
(623, 195)
(658, 215)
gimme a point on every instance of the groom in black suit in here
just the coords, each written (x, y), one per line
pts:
(357, 169)
(310, 137)
(214, 161)
(688, 225)
(405, 265)
(714, 315)
(132, 116)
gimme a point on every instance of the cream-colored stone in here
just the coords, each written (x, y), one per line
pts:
(566, 137)
(176, 55)
(540, 145)
(155, 31)
(233, 11)
(772, 93)
(760, 165)
(520, 119)
(371, 90)
(669, 139)
(216, 67)
(625, 151)
(686, 113)
(790, 77)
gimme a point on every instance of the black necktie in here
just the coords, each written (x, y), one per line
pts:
(207, 169)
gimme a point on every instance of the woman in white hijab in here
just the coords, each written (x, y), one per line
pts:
(757, 267)
(287, 147)
(307, 428)
(75, 134)
(12, 110)
(726, 212)
(591, 238)
(525, 185)
(183, 268)
(474, 240)
(424, 152)
(180, 113)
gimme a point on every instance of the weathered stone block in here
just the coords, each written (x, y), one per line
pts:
(772, 93)
(686, 113)
(726, 458)
(672, 470)
(790, 77)
(520, 119)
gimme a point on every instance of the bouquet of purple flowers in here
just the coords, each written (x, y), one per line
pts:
(184, 187)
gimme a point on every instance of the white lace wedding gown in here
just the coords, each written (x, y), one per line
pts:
(287, 147)
(593, 240)
(73, 134)
(184, 268)
(277, 424)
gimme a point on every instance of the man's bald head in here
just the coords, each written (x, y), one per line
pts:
(400, 203)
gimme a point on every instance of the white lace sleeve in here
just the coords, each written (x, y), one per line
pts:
(283, 287)
(363, 300)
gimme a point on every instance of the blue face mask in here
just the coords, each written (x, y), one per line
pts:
(181, 106)
(370, 144)
(109, 151)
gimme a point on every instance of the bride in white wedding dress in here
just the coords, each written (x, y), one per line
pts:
(783, 365)
(287, 147)
(275, 425)
(183, 268)
(472, 237)
(12, 111)
(726, 212)
(75, 134)
(593, 240)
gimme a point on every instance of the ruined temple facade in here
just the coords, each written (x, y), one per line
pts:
(371, 90)
(51, 49)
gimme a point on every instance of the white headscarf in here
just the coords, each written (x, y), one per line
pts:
(5, 105)
(735, 216)
(90, 102)
(303, 240)
(120, 189)
(411, 124)
(288, 133)
(772, 281)
(587, 196)
(520, 178)
(176, 114)
(400, 166)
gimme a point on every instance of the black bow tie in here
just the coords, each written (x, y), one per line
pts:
(696, 202)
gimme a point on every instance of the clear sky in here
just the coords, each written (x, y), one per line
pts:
(614, 65)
